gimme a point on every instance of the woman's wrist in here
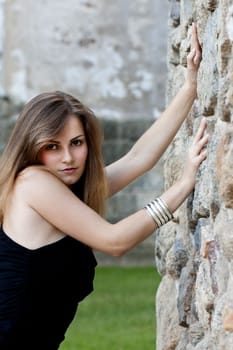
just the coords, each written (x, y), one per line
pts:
(191, 87)
(178, 192)
(187, 183)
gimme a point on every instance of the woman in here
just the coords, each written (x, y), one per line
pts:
(53, 187)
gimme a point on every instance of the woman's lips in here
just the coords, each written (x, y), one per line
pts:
(69, 170)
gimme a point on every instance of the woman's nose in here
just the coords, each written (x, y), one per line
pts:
(66, 156)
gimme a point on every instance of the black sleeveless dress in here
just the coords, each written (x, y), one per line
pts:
(40, 291)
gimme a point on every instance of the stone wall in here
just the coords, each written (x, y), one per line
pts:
(112, 56)
(195, 252)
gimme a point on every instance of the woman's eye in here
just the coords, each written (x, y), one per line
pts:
(51, 147)
(76, 142)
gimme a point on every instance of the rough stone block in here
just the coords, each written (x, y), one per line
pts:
(196, 333)
(208, 76)
(211, 5)
(204, 294)
(224, 233)
(177, 258)
(175, 12)
(224, 167)
(168, 331)
(165, 237)
(186, 289)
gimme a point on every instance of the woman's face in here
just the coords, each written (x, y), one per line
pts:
(66, 154)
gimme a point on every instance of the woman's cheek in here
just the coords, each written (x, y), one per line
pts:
(46, 158)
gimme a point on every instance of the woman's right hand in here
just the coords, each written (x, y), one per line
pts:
(197, 153)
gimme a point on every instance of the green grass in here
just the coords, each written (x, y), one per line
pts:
(119, 314)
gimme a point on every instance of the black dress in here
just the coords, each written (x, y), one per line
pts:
(40, 290)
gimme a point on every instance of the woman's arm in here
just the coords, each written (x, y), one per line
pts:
(54, 201)
(151, 145)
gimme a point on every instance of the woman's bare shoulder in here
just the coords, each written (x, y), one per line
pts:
(34, 173)
(36, 178)
(31, 171)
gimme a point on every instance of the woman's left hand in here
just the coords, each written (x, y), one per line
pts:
(194, 58)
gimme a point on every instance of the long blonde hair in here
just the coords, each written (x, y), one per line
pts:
(42, 118)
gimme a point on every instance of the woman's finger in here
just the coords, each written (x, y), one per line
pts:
(202, 156)
(199, 146)
(201, 130)
(191, 55)
(196, 44)
(195, 41)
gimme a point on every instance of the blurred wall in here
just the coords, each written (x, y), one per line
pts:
(111, 54)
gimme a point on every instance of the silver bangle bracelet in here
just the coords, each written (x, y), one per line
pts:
(155, 209)
(152, 214)
(166, 209)
(159, 211)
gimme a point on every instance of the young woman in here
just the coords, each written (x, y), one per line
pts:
(53, 187)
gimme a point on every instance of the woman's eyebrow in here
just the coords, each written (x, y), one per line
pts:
(52, 141)
(77, 137)
(73, 138)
